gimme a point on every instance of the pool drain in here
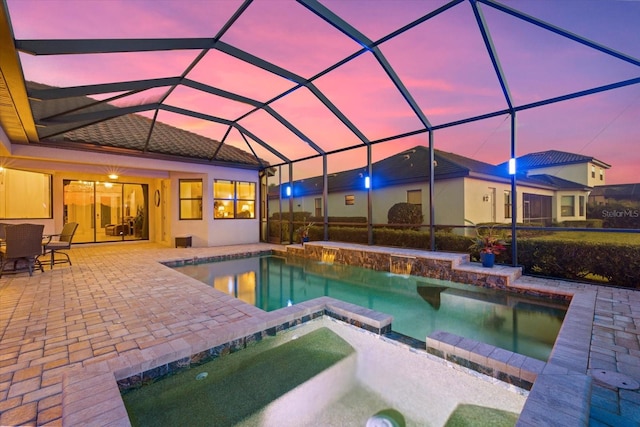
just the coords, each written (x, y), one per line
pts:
(615, 379)
(201, 376)
(386, 418)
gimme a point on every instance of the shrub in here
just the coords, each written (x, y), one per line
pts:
(405, 213)
(616, 214)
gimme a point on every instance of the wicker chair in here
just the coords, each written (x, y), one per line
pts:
(63, 242)
(22, 242)
(3, 226)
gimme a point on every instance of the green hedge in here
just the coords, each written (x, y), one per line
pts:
(614, 264)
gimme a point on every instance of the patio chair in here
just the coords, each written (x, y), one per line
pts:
(60, 242)
(23, 242)
(2, 227)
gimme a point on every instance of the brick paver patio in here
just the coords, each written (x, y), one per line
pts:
(117, 298)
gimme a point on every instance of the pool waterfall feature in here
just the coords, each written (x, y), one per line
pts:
(328, 255)
(400, 264)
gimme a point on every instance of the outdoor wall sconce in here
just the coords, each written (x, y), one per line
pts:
(485, 198)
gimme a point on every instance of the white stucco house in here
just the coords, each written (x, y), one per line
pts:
(552, 186)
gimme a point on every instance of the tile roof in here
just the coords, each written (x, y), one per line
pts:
(128, 132)
(550, 181)
(548, 158)
(408, 166)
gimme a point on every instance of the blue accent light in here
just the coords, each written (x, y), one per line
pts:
(512, 166)
(367, 182)
(287, 191)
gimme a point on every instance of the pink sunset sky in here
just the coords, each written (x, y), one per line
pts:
(443, 63)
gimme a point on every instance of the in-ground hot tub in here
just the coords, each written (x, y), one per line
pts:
(323, 373)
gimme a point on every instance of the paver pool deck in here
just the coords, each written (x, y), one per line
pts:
(117, 298)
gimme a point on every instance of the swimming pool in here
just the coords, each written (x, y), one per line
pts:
(419, 306)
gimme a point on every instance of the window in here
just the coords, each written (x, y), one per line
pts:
(350, 199)
(415, 198)
(234, 199)
(190, 199)
(507, 204)
(601, 175)
(24, 194)
(567, 206)
(582, 205)
(593, 171)
(318, 206)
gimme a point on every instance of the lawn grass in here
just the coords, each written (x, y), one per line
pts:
(593, 237)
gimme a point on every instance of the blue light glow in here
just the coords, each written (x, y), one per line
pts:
(512, 166)
(288, 191)
(367, 182)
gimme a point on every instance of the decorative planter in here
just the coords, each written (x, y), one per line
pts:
(487, 259)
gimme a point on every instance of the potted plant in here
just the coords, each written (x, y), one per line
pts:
(303, 232)
(488, 243)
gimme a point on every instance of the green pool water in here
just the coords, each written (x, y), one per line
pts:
(229, 389)
(419, 306)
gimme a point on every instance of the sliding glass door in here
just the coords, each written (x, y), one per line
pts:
(106, 211)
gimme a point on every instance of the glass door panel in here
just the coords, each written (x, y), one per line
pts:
(136, 198)
(109, 220)
(78, 200)
(106, 211)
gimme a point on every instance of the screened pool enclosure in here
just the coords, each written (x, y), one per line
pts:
(520, 113)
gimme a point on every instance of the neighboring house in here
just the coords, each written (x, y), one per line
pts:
(465, 189)
(618, 206)
(620, 193)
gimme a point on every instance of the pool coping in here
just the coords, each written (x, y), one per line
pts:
(91, 392)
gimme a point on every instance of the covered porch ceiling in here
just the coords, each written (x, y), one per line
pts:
(287, 81)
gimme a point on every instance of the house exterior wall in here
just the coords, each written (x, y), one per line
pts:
(580, 173)
(456, 200)
(575, 195)
(210, 231)
(78, 165)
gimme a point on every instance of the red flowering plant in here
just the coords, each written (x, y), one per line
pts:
(487, 240)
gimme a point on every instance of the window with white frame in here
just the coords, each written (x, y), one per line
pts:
(190, 199)
(507, 203)
(415, 198)
(24, 194)
(234, 199)
(567, 206)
